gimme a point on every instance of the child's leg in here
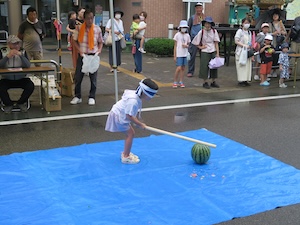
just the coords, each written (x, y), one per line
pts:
(128, 141)
(182, 68)
(176, 74)
(142, 42)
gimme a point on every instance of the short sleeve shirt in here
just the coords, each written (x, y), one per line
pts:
(181, 39)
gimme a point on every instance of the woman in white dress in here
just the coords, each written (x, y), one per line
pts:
(243, 40)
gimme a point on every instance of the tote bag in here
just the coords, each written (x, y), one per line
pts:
(107, 38)
(243, 56)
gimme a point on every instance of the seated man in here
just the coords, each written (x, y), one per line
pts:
(14, 57)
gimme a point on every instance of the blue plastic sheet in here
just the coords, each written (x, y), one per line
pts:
(88, 184)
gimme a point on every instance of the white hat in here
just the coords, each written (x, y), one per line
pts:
(183, 23)
(264, 25)
(269, 37)
(199, 4)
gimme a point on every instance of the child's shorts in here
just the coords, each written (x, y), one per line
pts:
(181, 61)
(138, 36)
(265, 68)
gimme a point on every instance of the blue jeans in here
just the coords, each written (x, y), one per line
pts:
(78, 80)
(138, 57)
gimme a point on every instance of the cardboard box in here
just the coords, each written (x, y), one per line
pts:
(67, 82)
(49, 103)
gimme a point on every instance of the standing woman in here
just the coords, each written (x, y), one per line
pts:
(119, 32)
(242, 40)
(207, 40)
(279, 33)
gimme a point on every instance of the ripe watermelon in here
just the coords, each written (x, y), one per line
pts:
(200, 153)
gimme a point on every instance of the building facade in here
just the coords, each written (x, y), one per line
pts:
(161, 13)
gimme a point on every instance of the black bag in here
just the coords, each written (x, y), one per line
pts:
(250, 53)
(280, 39)
(40, 35)
(295, 32)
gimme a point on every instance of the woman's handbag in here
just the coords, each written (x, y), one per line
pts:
(250, 53)
(107, 38)
(243, 56)
(123, 42)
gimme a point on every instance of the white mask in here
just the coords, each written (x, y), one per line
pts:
(142, 18)
(246, 25)
(183, 30)
(118, 16)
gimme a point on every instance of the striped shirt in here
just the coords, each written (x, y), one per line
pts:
(84, 46)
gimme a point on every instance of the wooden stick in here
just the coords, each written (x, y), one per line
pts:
(179, 136)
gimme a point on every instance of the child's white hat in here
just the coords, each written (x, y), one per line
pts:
(269, 37)
(183, 23)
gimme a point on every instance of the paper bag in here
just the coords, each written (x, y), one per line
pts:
(67, 82)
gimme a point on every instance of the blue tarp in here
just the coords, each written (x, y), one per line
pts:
(87, 184)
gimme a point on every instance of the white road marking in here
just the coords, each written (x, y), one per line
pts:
(87, 115)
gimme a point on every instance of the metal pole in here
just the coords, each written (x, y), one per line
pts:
(114, 66)
(188, 11)
(59, 37)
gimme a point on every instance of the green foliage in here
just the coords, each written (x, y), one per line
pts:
(160, 46)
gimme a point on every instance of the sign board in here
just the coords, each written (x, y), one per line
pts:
(105, 15)
(202, 1)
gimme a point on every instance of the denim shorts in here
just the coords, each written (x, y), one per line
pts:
(181, 61)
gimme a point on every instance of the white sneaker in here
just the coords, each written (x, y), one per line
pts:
(256, 77)
(142, 50)
(76, 101)
(130, 154)
(283, 85)
(92, 101)
(130, 159)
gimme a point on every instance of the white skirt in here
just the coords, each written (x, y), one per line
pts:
(113, 123)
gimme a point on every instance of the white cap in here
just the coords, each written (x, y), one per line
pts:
(264, 25)
(269, 37)
(199, 4)
(183, 23)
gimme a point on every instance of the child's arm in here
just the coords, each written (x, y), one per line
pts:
(174, 52)
(69, 29)
(135, 120)
(264, 48)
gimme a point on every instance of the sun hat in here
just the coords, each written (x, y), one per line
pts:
(264, 25)
(183, 23)
(284, 45)
(208, 19)
(199, 4)
(118, 10)
(13, 39)
(269, 37)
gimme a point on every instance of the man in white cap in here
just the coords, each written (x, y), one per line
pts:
(194, 23)
(14, 57)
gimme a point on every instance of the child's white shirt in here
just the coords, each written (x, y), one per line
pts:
(142, 24)
(182, 38)
(129, 104)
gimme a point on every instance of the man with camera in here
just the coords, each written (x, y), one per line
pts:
(31, 32)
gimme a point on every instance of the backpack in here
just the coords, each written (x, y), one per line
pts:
(202, 35)
(295, 32)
